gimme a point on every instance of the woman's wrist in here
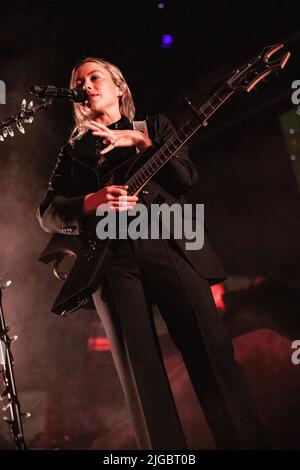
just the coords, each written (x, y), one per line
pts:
(144, 143)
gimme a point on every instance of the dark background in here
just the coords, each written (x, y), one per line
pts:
(248, 182)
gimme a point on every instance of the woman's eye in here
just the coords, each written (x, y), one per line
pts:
(94, 77)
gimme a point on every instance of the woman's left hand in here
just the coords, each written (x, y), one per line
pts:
(119, 138)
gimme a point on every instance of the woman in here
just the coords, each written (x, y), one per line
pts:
(142, 272)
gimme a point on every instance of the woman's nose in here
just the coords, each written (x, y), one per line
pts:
(86, 86)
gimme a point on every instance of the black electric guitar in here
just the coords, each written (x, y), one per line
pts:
(91, 254)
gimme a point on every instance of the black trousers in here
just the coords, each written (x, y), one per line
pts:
(145, 272)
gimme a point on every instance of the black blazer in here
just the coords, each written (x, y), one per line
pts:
(77, 173)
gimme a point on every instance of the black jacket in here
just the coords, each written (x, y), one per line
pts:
(77, 173)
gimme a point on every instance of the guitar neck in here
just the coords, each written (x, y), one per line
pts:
(178, 139)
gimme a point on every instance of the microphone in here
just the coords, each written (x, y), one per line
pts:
(79, 95)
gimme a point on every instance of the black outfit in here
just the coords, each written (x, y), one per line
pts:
(144, 272)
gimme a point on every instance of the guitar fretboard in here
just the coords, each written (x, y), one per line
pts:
(178, 139)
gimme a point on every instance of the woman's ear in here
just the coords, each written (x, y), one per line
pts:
(119, 86)
(119, 91)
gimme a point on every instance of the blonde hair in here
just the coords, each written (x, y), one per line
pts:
(126, 104)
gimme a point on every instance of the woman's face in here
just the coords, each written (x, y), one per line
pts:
(103, 92)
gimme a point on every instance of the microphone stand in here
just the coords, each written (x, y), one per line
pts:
(10, 392)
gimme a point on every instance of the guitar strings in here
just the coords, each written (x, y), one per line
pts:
(175, 136)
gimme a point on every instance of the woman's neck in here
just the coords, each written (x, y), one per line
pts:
(108, 118)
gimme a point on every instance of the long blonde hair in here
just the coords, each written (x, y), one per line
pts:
(127, 107)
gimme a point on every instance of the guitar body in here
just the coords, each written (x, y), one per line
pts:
(92, 254)
(85, 276)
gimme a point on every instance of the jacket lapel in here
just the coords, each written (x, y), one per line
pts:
(84, 152)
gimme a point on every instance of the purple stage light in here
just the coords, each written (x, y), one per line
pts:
(166, 40)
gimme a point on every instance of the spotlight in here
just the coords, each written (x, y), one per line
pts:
(166, 41)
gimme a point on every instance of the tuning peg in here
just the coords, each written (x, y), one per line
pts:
(26, 414)
(13, 338)
(5, 407)
(4, 284)
(5, 132)
(1, 138)
(20, 127)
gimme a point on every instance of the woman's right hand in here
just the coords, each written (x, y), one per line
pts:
(115, 197)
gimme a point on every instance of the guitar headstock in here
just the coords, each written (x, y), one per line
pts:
(266, 63)
(25, 116)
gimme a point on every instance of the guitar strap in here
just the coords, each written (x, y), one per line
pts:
(140, 126)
